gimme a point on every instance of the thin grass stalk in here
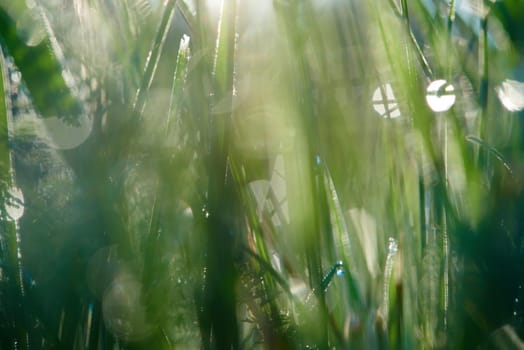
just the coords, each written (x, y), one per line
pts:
(311, 194)
(10, 242)
(394, 4)
(342, 234)
(273, 283)
(451, 21)
(223, 229)
(152, 270)
(399, 331)
(179, 82)
(420, 54)
(260, 250)
(351, 292)
(408, 73)
(153, 241)
(492, 150)
(198, 93)
(154, 56)
(446, 275)
(445, 237)
(483, 88)
(297, 39)
(189, 17)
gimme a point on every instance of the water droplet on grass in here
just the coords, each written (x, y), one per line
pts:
(392, 246)
(340, 271)
(336, 270)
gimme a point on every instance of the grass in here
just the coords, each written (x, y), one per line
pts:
(244, 184)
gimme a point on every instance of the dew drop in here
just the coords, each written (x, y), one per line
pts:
(340, 271)
(392, 246)
(205, 212)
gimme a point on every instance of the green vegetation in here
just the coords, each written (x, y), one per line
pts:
(280, 174)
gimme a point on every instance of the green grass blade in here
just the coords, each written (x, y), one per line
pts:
(41, 71)
(9, 229)
(154, 55)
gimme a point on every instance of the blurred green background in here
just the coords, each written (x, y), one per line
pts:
(277, 174)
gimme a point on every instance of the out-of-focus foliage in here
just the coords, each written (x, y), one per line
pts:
(272, 174)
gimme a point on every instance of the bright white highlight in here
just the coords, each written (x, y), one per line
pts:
(15, 206)
(440, 95)
(511, 95)
(385, 103)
